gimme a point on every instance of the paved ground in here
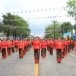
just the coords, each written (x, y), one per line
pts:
(49, 66)
(13, 66)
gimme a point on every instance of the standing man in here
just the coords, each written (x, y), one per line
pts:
(3, 48)
(13, 46)
(51, 46)
(36, 47)
(9, 43)
(43, 48)
(66, 46)
(16, 44)
(59, 48)
(25, 46)
(0, 46)
(21, 48)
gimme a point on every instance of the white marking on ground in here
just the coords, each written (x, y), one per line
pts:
(72, 55)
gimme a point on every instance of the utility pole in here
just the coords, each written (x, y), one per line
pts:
(54, 31)
(62, 29)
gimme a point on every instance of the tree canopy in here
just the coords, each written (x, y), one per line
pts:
(53, 30)
(67, 27)
(71, 5)
(56, 30)
(14, 25)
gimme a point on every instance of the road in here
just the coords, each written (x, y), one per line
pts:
(13, 66)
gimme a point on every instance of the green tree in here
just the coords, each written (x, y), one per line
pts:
(67, 27)
(15, 26)
(71, 5)
(53, 30)
(1, 26)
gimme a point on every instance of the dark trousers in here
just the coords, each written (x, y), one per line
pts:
(66, 48)
(25, 49)
(36, 55)
(16, 47)
(51, 50)
(48, 47)
(59, 53)
(12, 48)
(43, 52)
(71, 46)
(3, 53)
(0, 50)
(20, 53)
(9, 50)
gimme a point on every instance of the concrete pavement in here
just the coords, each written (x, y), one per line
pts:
(49, 66)
(13, 66)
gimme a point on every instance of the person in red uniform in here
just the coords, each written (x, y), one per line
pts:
(66, 46)
(59, 48)
(16, 44)
(9, 44)
(72, 44)
(25, 46)
(3, 48)
(36, 47)
(0, 46)
(75, 45)
(51, 46)
(43, 47)
(69, 42)
(48, 41)
(12, 46)
(28, 40)
(21, 48)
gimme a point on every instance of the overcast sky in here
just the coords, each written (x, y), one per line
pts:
(31, 9)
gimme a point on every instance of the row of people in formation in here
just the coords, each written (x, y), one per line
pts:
(62, 47)
(7, 47)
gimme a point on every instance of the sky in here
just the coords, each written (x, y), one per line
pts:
(30, 10)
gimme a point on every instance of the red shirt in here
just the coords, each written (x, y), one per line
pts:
(75, 44)
(9, 44)
(44, 44)
(13, 43)
(21, 45)
(66, 42)
(36, 44)
(16, 42)
(63, 44)
(48, 41)
(3, 44)
(25, 43)
(51, 43)
(59, 45)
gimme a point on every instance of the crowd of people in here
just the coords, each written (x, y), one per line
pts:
(61, 46)
(7, 47)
